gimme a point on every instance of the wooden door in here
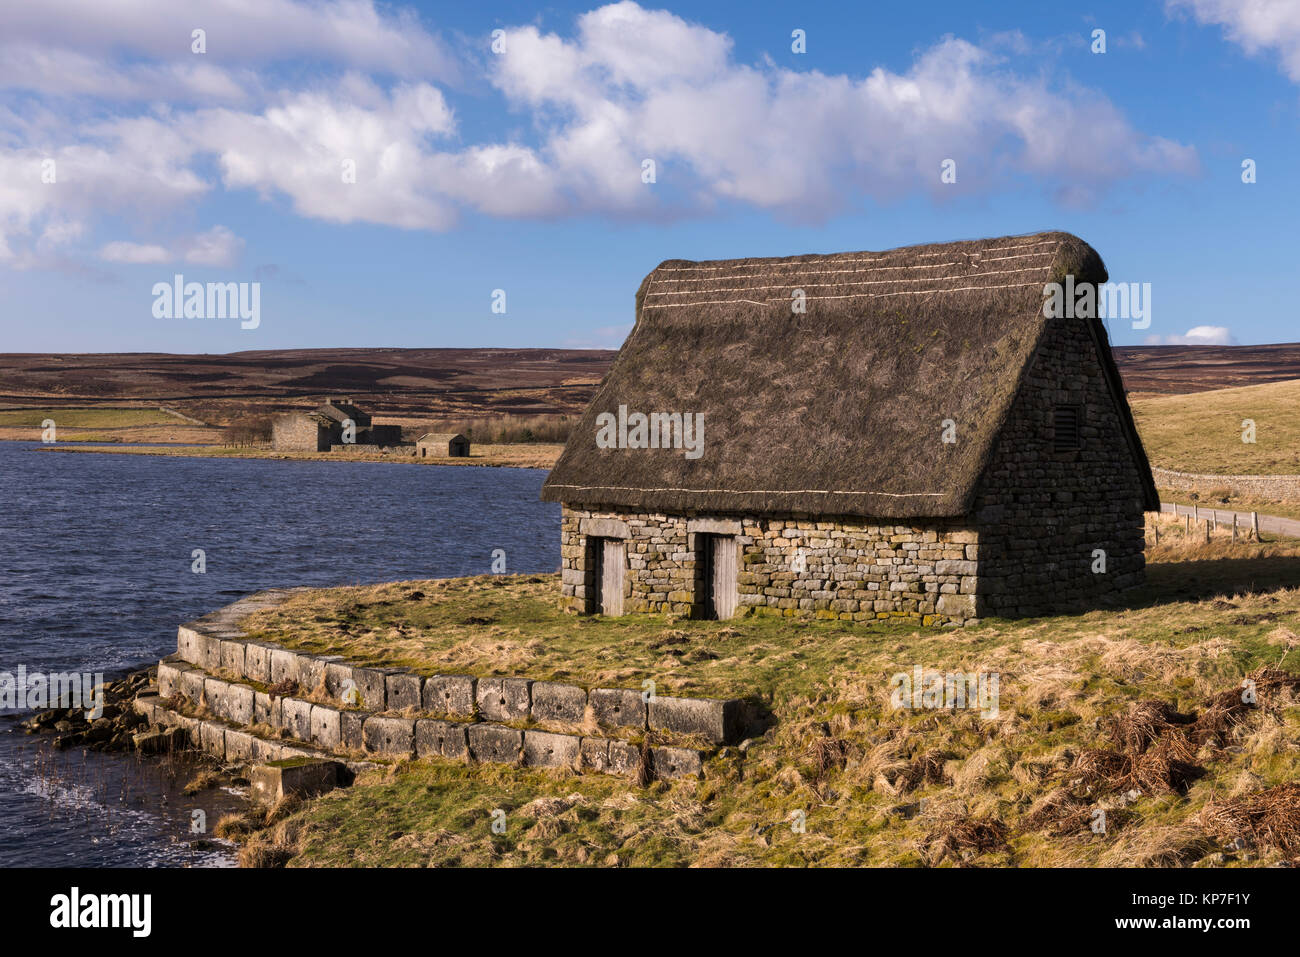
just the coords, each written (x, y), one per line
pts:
(612, 559)
(722, 575)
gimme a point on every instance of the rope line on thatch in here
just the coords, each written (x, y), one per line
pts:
(915, 292)
(865, 282)
(745, 491)
(770, 263)
(863, 272)
(858, 295)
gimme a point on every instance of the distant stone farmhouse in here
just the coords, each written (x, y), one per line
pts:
(441, 444)
(324, 428)
(858, 436)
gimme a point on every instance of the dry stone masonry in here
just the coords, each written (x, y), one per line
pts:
(1280, 488)
(217, 688)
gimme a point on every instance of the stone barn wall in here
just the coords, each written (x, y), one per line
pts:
(297, 433)
(855, 571)
(1041, 513)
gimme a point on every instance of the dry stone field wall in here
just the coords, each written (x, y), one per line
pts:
(220, 687)
(1281, 488)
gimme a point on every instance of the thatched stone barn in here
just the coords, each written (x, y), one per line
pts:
(441, 445)
(918, 441)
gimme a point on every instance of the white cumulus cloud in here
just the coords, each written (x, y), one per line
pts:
(628, 84)
(217, 246)
(1196, 336)
(1255, 25)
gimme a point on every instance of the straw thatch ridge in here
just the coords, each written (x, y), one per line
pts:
(839, 410)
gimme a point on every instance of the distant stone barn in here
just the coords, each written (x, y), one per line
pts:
(858, 436)
(323, 429)
(441, 445)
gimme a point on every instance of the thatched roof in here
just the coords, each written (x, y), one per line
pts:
(836, 411)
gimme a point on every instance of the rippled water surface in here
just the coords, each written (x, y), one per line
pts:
(95, 575)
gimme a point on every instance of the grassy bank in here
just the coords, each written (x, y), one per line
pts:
(103, 424)
(1202, 432)
(875, 784)
(531, 456)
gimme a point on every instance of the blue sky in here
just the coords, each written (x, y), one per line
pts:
(520, 168)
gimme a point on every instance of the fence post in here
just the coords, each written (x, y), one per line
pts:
(1234, 528)
(1207, 531)
(1254, 525)
(1196, 517)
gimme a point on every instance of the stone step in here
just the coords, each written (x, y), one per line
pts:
(214, 643)
(335, 730)
(228, 742)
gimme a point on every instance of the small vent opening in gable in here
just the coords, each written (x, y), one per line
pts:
(1065, 428)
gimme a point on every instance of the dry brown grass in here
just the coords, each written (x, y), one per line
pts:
(1270, 818)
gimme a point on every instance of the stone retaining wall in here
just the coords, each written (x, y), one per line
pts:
(394, 713)
(1280, 488)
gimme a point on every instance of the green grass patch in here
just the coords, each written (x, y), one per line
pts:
(1202, 431)
(87, 418)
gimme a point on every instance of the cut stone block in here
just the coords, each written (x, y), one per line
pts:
(718, 721)
(618, 707)
(440, 739)
(169, 678)
(624, 758)
(594, 754)
(503, 699)
(395, 736)
(264, 750)
(356, 687)
(350, 729)
(326, 726)
(232, 657)
(257, 662)
(545, 750)
(212, 738)
(239, 703)
(161, 741)
(558, 702)
(492, 742)
(198, 647)
(192, 726)
(187, 644)
(214, 693)
(284, 665)
(303, 777)
(311, 671)
(266, 709)
(403, 691)
(146, 705)
(296, 717)
(209, 650)
(451, 695)
(675, 762)
(239, 746)
(290, 751)
(191, 685)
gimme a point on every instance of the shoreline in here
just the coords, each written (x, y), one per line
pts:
(538, 456)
